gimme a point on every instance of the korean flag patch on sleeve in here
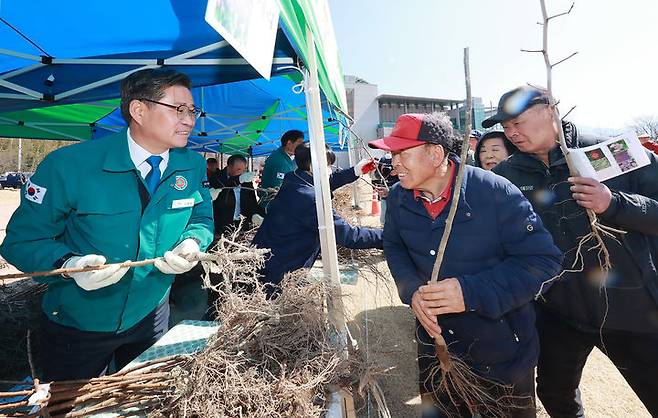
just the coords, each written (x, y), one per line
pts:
(34, 192)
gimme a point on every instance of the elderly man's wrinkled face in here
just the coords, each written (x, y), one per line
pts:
(533, 131)
(416, 166)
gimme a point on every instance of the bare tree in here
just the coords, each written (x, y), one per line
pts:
(647, 124)
(598, 230)
(34, 150)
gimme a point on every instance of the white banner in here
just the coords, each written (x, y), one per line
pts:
(249, 26)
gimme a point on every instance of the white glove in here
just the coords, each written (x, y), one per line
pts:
(256, 220)
(364, 166)
(247, 176)
(95, 279)
(173, 261)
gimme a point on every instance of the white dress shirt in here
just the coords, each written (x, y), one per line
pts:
(139, 155)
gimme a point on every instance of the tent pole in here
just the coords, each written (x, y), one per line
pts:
(65, 136)
(21, 89)
(351, 154)
(322, 193)
(326, 230)
(202, 120)
(20, 153)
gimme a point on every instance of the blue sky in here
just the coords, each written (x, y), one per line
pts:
(415, 47)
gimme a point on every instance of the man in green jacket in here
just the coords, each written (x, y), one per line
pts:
(279, 163)
(134, 195)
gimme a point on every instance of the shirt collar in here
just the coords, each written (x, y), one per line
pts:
(283, 151)
(447, 191)
(138, 154)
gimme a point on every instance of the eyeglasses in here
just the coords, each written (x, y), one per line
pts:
(181, 110)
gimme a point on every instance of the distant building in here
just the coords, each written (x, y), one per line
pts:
(374, 115)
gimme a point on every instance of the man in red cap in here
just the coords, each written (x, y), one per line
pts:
(498, 257)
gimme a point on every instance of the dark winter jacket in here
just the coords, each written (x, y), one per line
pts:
(290, 228)
(341, 178)
(628, 301)
(382, 177)
(500, 253)
(224, 206)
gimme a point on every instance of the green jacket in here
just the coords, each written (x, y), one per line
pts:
(277, 165)
(84, 199)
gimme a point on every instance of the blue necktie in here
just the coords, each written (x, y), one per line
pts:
(153, 177)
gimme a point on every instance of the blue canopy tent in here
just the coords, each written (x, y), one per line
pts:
(253, 114)
(45, 65)
(245, 116)
(77, 51)
(70, 57)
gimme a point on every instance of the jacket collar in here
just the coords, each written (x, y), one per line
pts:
(463, 213)
(302, 177)
(225, 180)
(284, 153)
(555, 156)
(118, 158)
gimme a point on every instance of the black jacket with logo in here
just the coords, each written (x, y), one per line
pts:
(629, 300)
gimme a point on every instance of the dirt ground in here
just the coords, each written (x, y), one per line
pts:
(384, 327)
(9, 199)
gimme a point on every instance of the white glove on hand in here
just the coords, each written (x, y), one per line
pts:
(95, 279)
(247, 176)
(364, 166)
(173, 261)
(257, 220)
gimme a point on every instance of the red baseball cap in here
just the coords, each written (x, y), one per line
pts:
(409, 131)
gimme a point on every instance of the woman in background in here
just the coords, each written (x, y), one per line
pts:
(493, 148)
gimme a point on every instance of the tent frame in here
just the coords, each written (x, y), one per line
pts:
(185, 59)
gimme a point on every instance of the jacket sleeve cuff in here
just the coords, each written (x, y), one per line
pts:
(202, 236)
(470, 300)
(612, 208)
(59, 263)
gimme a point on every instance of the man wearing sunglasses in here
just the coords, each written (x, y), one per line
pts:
(134, 195)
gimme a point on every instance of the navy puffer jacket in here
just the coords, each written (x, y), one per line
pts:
(500, 253)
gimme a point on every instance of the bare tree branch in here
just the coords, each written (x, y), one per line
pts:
(561, 14)
(564, 59)
(646, 125)
(567, 114)
(533, 50)
(596, 233)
